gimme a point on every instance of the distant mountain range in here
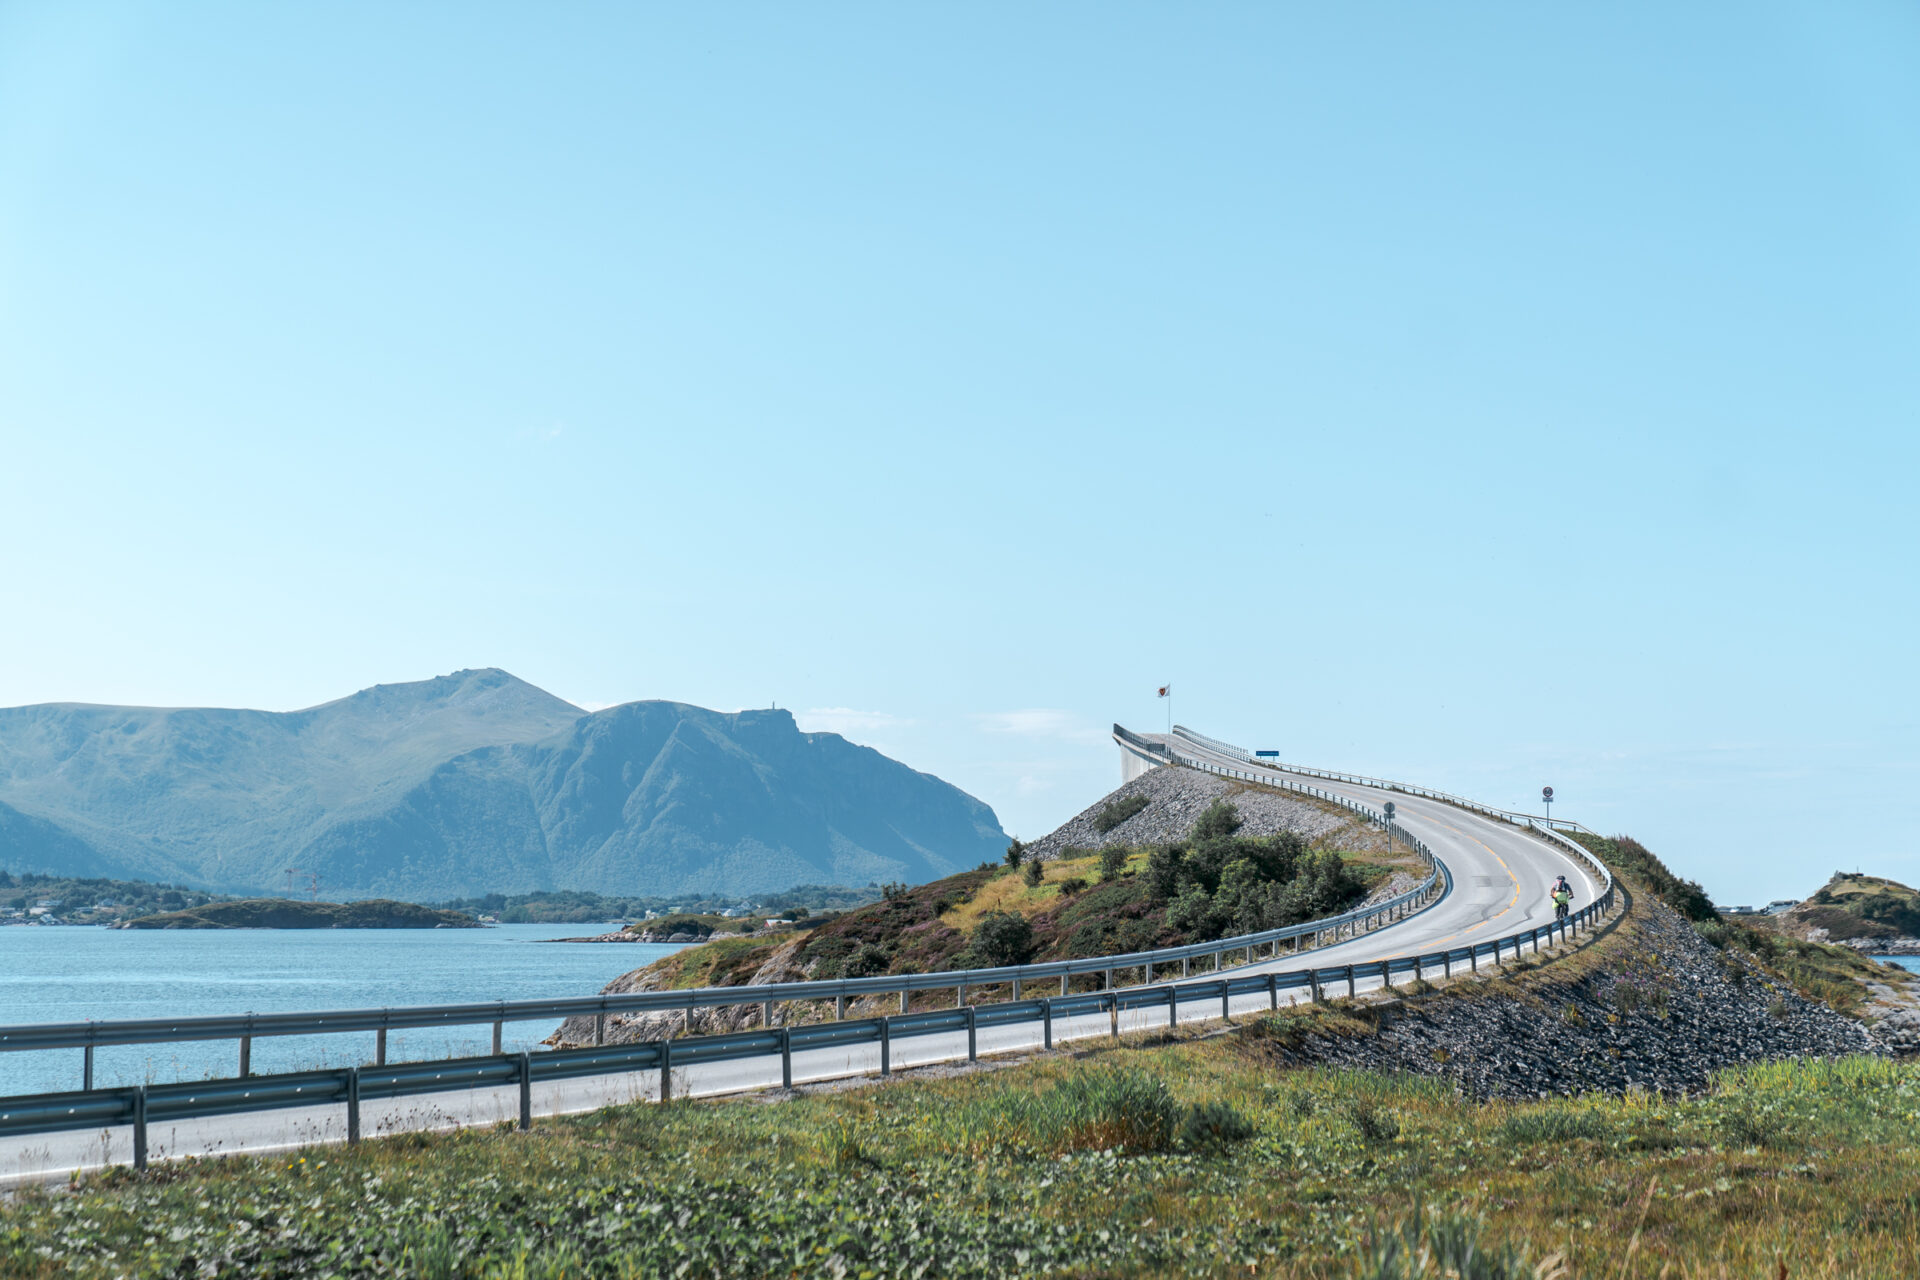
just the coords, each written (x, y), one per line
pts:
(471, 783)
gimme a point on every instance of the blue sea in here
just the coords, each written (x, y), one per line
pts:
(1905, 962)
(79, 973)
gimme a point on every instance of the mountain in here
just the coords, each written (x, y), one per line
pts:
(470, 783)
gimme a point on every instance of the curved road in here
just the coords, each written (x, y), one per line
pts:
(1501, 874)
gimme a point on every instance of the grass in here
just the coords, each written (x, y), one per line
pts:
(1182, 1158)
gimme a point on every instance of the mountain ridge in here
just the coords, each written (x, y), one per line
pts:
(469, 783)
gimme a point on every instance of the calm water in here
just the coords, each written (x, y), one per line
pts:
(1905, 962)
(72, 974)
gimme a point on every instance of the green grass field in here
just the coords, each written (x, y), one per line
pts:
(1189, 1158)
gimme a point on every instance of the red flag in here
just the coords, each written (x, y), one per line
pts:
(1165, 690)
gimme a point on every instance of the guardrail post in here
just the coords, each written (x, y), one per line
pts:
(1349, 982)
(973, 1041)
(353, 1105)
(526, 1090)
(1446, 961)
(886, 1046)
(786, 1057)
(903, 999)
(600, 1029)
(1046, 1023)
(246, 1056)
(839, 1008)
(380, 1047)
(960, 995)
(497, 1024)
(1173, 1006)
(140, 1126)
(86, 1069)
(1113, 1013)
(1186, 966)
(666, 1070)
(1016, 986)
(1419, 967)
(1273, 991)
(1313, 984)
(766, 1013)
(1063, 984)
(1226, 1011)
(1147, 979)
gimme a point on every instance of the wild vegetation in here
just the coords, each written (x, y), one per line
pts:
(1162, 1157)
(1214, 884)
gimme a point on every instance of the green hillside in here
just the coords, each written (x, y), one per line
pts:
(470, 784)
(1853, 907)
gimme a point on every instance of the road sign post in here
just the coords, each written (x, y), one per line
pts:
(1546, 795)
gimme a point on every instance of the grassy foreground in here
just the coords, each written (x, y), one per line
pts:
(1174, 1158)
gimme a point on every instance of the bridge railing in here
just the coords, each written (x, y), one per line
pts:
(142, 1106)
(1384, 784)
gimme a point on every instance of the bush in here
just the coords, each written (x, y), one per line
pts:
(1033, 873)
(1375, 1123)
(1213, 1124)
(1219, 821)
(1113, 861)
(1106, 1107)
(1116, 812)
(1016, 853)
(893, 891)
(1428, 1247)
(1001, 938)
(1072, 884)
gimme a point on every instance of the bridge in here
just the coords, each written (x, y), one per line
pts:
(1483, 903)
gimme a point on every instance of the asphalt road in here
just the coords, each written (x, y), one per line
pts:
(1501, 876)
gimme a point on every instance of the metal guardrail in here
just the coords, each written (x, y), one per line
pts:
(244, 1028)
(142, 1106)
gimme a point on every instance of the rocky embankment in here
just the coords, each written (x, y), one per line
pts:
(1662, 1010)
(1175, 800)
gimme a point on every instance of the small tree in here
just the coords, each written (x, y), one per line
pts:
(1002, 938)
(1033, 874)
(1016, 853)
(1113, 860)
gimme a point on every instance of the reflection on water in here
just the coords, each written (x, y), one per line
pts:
(75, 974)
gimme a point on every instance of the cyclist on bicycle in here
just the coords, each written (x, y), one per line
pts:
(1562, 895)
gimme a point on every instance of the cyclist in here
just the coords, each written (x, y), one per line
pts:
(1562, 895)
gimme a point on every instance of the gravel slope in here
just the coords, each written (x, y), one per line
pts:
(1175, 798)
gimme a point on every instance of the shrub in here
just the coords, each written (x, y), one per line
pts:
(1116, 812)
(1033, 873)
(1375, 1123)
(1431, 1246)
(1072, 884)
(1219, 821)
(1113, 861)
(893, 891)
(1106, 1107)
(1001, 938)
(1213, 1124)
(1016, 853)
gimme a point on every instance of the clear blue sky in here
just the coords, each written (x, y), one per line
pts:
(1485, 395)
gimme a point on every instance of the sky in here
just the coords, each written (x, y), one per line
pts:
(1486, 396)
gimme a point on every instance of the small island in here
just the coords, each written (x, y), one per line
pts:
(286, 913)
